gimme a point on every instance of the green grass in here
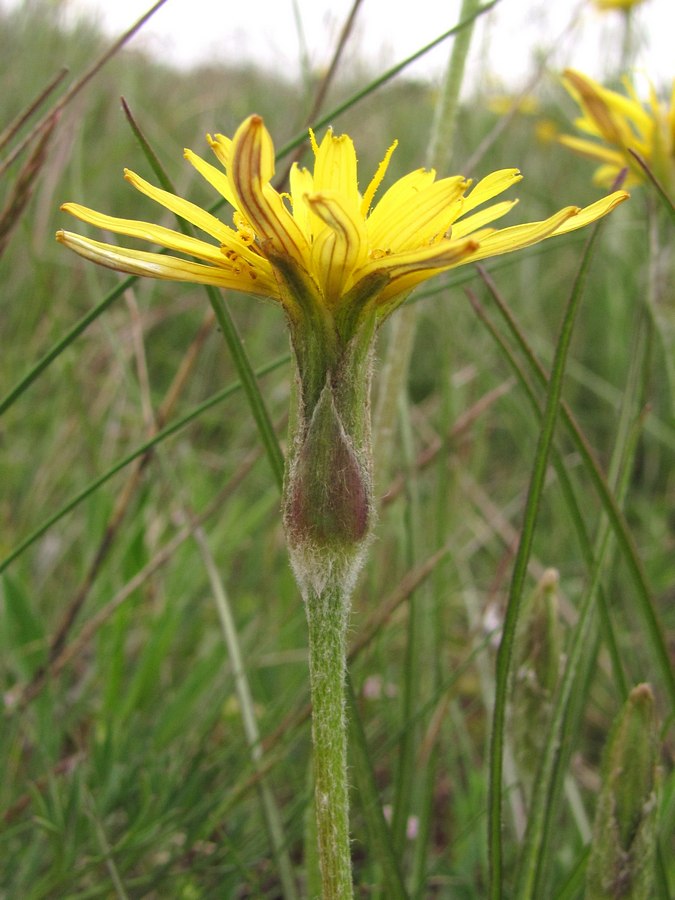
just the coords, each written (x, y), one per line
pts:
(127, 769)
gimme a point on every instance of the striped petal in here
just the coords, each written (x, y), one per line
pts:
(157, 265)
(251, 169)
(417, 215)
(155, 234)
(339, 248)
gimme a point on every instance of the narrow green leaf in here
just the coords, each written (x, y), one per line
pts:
(611, 508)
(25, 633)
(518, 579)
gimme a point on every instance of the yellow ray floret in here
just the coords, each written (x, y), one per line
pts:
(324, 234)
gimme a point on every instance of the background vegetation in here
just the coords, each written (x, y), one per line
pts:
(127, 771)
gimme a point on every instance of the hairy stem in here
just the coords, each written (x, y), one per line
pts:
(327, 615)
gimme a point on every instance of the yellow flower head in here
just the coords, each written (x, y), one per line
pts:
(618, 123)
(345, 249)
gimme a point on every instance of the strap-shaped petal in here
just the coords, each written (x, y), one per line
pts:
(215, 177)
(407, 270)
(156, 265)
(593, 150)
(398, 195)
(437, 256)
(335, 168)
(302, 184)
(469, 224)
(339, 248)
(608, 110)
(376, 180)
(155, 234)
(593, 212)
(418, 216)
(491, 186)
(230, 243)
(250, 171)
(568, 219)
(192, 213)
(222, 147)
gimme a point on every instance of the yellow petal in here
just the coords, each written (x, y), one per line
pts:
(215, 177)
(156, 265)
(516, 237)
(568, 219)
(415, 216)
(398, 195)
(339, 248)
(470, 224)
(222, 147)
(491, 186)
(610, 111)
(302, 184)
(593, 212)
(155, 234)
(593, 103)
(408, 270)
(183, 208)
(251, 168)
(593, 150)
(436, 257)
(335, 168)
(376, 180)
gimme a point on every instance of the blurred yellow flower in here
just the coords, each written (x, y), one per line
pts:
(503, 104)
(546, 131)
(323, 241)
(617, 124)
(616, 4)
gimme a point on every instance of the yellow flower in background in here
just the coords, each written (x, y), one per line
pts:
(346, 251)
(618, 123)
(546, 131)
(503, 104)
(616, 4)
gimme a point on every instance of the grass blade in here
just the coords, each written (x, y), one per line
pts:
(518, 578)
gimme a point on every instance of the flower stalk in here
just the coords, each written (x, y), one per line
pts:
(327, 618)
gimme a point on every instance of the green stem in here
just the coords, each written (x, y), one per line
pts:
(327, 616)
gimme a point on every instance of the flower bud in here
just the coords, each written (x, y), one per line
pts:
(328, 500)
(624, 833)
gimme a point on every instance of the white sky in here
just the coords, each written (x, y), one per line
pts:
(266, 31)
